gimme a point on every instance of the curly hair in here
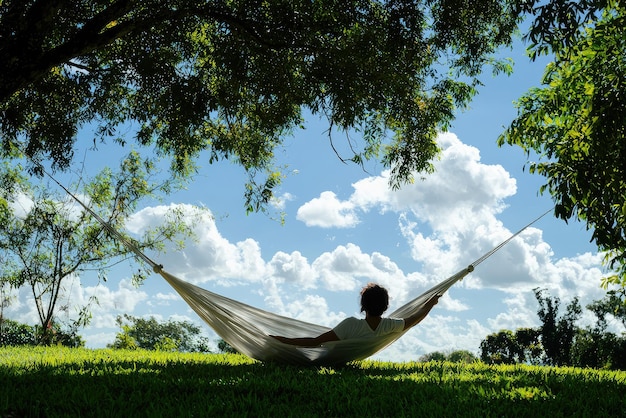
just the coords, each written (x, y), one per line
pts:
(374, 299)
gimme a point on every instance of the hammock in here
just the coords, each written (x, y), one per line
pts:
(247, 329)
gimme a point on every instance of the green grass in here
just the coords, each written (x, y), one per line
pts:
(61, 382)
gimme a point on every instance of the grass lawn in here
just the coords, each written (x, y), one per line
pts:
(62, 382)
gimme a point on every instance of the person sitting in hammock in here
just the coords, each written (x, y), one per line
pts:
(374, 301)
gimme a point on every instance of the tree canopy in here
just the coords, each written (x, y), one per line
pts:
(573, 127)
(233, 77)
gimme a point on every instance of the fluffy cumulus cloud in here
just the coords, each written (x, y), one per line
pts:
(292, 268)
(208, 256)
(327, 211)
(456, 197)
(441, 223)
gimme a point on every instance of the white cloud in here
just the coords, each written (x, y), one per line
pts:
(292, 268)
(314, 309)
(457, 197)
(166, 297)
(348, 268)
(279, 202)
(21, 205)
(328, 211)
(210, 257)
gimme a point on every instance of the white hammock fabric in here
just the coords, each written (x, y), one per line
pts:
(248, 329)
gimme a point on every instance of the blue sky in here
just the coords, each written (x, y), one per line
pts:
(344, 227)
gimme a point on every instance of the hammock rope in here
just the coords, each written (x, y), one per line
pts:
(119, 236)
(248, 329)
(503, 243)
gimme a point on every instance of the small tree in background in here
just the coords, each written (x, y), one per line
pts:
(462, 356)
(224, 347)
(457, 356)
(597, 347)
(47, 239)
(501, 348)
(13, 333)
(150, 334)
(434, 356)
(529, 342)
(557, 334)
(559, 341)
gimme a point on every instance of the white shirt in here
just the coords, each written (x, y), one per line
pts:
(359, 328)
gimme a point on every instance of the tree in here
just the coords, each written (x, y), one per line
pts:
(596, 346)
(530, 344)
(458, 356)
(462, 356)
(224, 347)
(434, 356)
(234, 77)
(13, 333)
(151, 334)
(508, 347)
(49, 239)
(501, 348)
(557, 334)
(573, 127)
(596, 349)
(559, 341)
(611, 304)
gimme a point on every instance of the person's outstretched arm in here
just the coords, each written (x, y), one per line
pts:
(421, 314)
(309, 341)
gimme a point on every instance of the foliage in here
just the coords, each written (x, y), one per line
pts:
(434, 356)
(202, 75)
(61, 382)
(500, 348)
(226, 348)
(457, 356)
(13, 333)
(508, 347)
(557, 334)
(574, 129)
(558, 341)
(600, 350)
(594, 346)
(461, 356)
(150, 334)
(614, 304)
(557, 24)
(47, 239)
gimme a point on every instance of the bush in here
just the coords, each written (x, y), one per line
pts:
(13, 333)
(458, 356)
(150, 334)
(462, 356)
